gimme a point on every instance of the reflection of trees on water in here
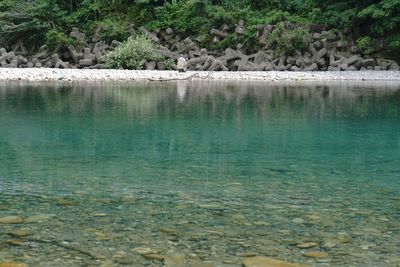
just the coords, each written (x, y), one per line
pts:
(222, 128)
(218, 98)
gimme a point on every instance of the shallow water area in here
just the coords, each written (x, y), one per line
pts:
(199, 173)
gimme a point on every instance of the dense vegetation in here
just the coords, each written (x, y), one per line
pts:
(374, 24)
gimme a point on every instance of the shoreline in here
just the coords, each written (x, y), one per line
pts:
(93, 75)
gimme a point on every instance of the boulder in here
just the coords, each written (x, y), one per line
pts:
(3, 51)
(198, 60)
(207, 64)
(269, 66)
(190, 45)
(351, 68)
(13, 63)
(368, 62)
(263, 35)
(160, 65)
(262, 56)
(354, 49)
(317, 44)
(317, 36)
(295, 68)
(86, 62)
(74, 54)
(151, 35)
(100, 58)
(312, 67)
(115, 43)
(203, 52)
(10, 56)
(242, 64)
(79, 37)
(230, 55)
(219, 33)
(41, 55)
(321, 62)
(21, 60)
(218, 65)
(353, 59)
(100, 47)
(97, 66)
(225, 28)
(60, 65)
(96, 35)
(330, 35)
(54, 59)
(169, 31)
(317, 55)
(150, 65)
(164, 35)
(281, 64)
(394, 66)
(330, 68)
(194, 53)
(300, 61)
(239, 30)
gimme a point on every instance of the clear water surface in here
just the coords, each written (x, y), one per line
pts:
(203, 173)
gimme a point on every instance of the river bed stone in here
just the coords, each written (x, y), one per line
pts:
(13, 219)
(261, 261)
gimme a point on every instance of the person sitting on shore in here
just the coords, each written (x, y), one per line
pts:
(182, 64)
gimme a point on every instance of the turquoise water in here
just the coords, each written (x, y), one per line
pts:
(212, 171)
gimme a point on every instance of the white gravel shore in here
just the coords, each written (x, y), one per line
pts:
(47, 74)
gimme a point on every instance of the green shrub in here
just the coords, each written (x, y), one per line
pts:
(112, 30)
(56, 39)
(287, 38)
(366, 45)
(394, 43)
(133, 53)
(169, 63)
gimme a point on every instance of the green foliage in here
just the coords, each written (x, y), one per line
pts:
(28, 20)
(394, 42)
(42, 21)
(287, 38)
(365, 44)
(56, 39)
(182, 16)
(384, 16)
(112, 30)
(132, 54)
(169, 63)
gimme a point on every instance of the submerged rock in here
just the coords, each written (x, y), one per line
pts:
(20, 232)
(11, 219)
(307, 245)
(316, 254)
(10, 264)
(143, 250)
(261, 261)
(176, 260)
(37, 218)
(152, 256)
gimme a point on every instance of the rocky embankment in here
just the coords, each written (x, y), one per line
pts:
(325, 51)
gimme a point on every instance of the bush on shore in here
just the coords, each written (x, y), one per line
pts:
(133, 53)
